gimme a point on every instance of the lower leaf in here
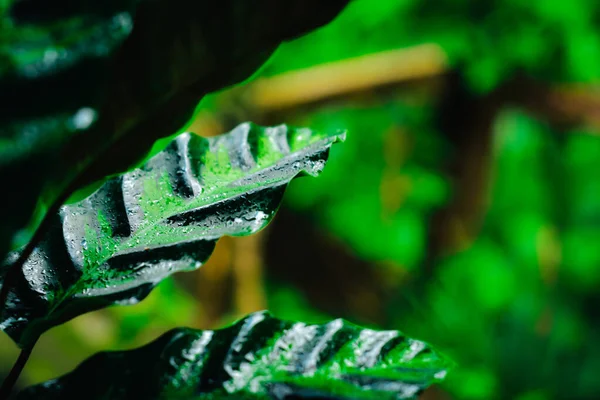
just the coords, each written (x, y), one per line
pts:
(259, 357)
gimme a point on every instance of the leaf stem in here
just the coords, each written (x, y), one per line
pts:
(13, 375)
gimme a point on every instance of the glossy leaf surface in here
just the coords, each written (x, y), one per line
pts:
(259, 357)
(165, 217)
(87, 87)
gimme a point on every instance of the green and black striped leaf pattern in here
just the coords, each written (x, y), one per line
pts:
(114, 246)
(259, 357)
(87, 87)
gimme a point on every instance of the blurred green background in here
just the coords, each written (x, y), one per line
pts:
(463, 209)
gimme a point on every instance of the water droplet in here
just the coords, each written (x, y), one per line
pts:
(83, 118)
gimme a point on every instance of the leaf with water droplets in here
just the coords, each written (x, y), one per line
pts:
(138, 228)
(87, 87)
(259, 357)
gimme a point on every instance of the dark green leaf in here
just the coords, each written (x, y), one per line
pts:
(138, 228)
(259, 357)
(87, 87)
(54, 67)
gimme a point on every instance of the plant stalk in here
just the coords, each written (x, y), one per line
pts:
(15, 372)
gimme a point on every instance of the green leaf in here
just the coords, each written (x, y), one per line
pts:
(87, 87)
(259, 357)
(165, 217)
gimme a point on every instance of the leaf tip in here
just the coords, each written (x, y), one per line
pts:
(340, 136)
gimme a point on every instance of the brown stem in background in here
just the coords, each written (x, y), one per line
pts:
(230, 281)
(332, 278)
(248, 275)
(470, 135)
(353, 75)
(564, 106)
(212, 285)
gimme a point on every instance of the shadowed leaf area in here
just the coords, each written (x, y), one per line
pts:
(87, 87)
(114, 246)
(259, 357)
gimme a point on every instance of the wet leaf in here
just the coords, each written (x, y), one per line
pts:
(87, 87)
(165, 217)
(259, 357)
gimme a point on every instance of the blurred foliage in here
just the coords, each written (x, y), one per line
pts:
(380, 208)
(517, 294)
(516, 305)
(488, 40)
(515, 308)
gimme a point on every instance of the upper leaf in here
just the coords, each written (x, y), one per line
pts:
(55, 62)
(86, 87)
(138, 228)
(259, 357)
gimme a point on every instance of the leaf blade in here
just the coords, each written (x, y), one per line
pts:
(127, 73)
(260, 357)
(165, 217)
